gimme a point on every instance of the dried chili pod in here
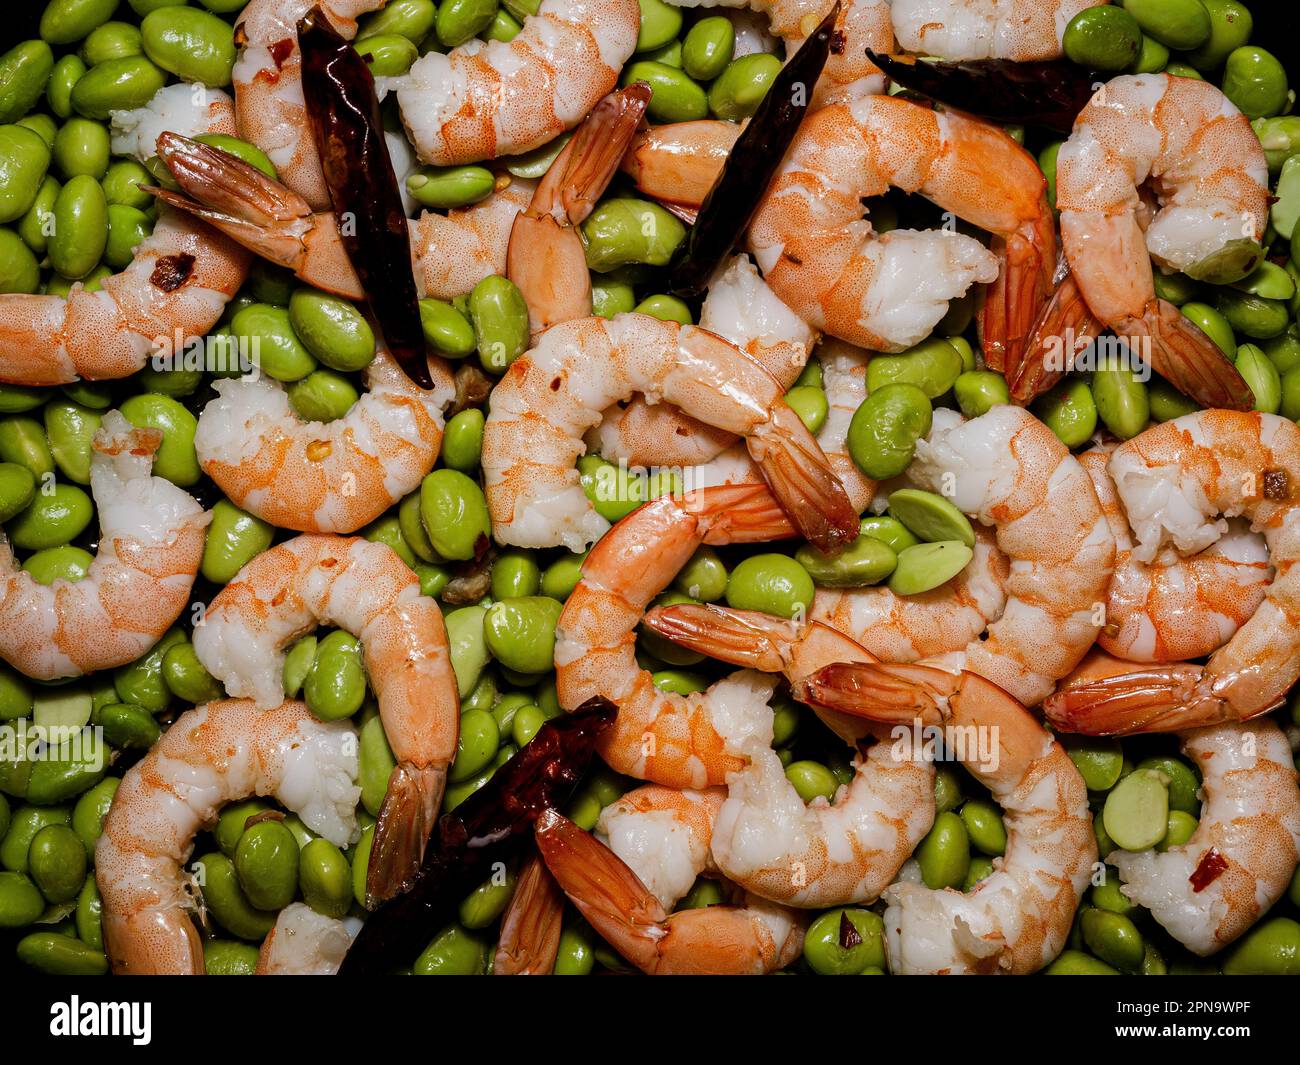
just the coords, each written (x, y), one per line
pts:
(492, 825)
(363, 188)
(752, 161)
(1048, 93)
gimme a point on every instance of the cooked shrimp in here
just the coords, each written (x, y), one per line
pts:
(176, 287)
(1019, 30)
(1208, 891)
(1017, 918)
(305, 943)
(368, 590)
(554, 393)
(529, 941)
(766, 838)
(844, 382)
(1176, 480)
(1009, 471)
(756, 938)
(888, 292)
(450, 253)
(331, 477)
(483, 99)
(214, 754)
(683, 741)
(1209, 174)
(741, 308)
(678, 163)
(150, 545)
(1173, 609)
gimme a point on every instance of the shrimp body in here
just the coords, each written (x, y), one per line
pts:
(331, 477)
(214, 754)
(365, 588)
(887, 292)
(305, 943)
(483, 99)
(175, 288)
(1019, 30)
(150, 546)
(1016, 919)
(553, 394)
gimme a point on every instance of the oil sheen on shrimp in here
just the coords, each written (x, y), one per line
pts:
(150, 545)
(211, 755)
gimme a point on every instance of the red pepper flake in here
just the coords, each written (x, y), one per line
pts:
(281, 51)
(849, 935)
(1277, 484)
(172, 271)
(1211, 866)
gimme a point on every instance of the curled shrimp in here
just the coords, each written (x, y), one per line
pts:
(214, 754)
(766, 838)
(150, 545)
(1239, 860)
(888, 292)
(1172, 609)
(368, 590)
(1019, 30)
(555, 392)
(1210, 177)
(176, 287)
(305, 943)
(755, 938)
(482, 99)
(331, 477)
(1176, 480)
(1016, 919)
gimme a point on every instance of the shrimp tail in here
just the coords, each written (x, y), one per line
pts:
(889, 694)
(591, 158)
(153, 942)
(743, 638)
(1065, 328)
(1193, 363)
(739, 514)
(530, 929)
(1012, 304)
(801, 478)
(402, 830)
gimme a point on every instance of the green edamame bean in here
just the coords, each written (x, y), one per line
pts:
(704, 577)
(66, 563)
(708, 48)
(387, 55)
(1230, 27)
(88, 915)
(266, 862)
(58, 88)
(1178, 830)
(17, 488)
(811, 405)
(330, 328)
(1099, 761)
(1152, 57)
(1069, 411)
(1174, 288)
(376, 762)
(15, 399)
(562, 576)
(1235, 260)
(1255, 81)
(504, 27)
(482, 906)
(1269, 280)
(455, 514)
(740, 88)
(1256, 317)
(1261, 375)
(24, 160)
(932, 366)
(141, 681)
(175, 459)
(462, 440)
(24, 824)
(411, 529)
(774, 584)
(980, 868)
(269, 332)
(979, 391)
(80, 227)
(82, 147)
(984, 826)
(1271, 948)
(1136, 813)
(576, 955)
(112, 40)
(42, 125)
(1166, 402)
(459, 20)
(623, 230)
(469, 653)
(930, 516)
(24, 71)
(92, 807)
(52, 518)
(884, 430)
(1077, 963)
(1181, 780)
(478, 743)
(195, 45)
(128, 726)
(611, 295)
(520, 632)
(614, 491)
(117, 85)
(241, 149)
(127, 230)
(947, 789)
(322, 396)
(665, 308)
(500, 318)
(1047, 164)
(413, 19)
(70, 429)
(1181, 24)
(675, 97)
(326, 878)
(660, 23)
(234, 820)
(446, 330)
(67, 21)
(15, 702)
(527, 720)
(230, 907)
(121, 184)
(1213, 324)
(186, 677)
(515, 574)
(865, 561)
(68, 768)
(927, 566)
(1106, 38)
(1113, 938)
(845, 942)
(335, 686)
(1279, 137)
(505, 709)
(944, 854)
(445, 187)
(453, 952)
(234, 538)
(225, 957)
(19, 269)
(360, 857)
(811, 779)
(1107, 895)
(60, 955)
(535, 163)
(23, 441)
(1121, 398)
(57, 863)
(1290, 404)
(679, 681)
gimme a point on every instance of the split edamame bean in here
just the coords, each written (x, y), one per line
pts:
(927, 566)
(930, 516)
(1279, 137)
(774, 584)
(455, 515)
(1136, 813)
(335, 686)
(885, 428)
(234, 538)
(500, 318)
(468, 646)
(1103, 38)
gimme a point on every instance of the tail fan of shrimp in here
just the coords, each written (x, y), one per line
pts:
(1064, 329)
(529, 941)
(405, 822)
